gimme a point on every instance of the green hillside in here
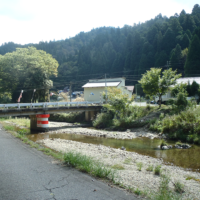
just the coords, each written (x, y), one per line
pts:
(129, 51)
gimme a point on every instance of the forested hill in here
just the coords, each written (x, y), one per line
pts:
(128, 51)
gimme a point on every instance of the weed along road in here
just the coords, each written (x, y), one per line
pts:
(28, 174)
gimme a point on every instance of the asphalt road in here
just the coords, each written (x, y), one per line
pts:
(28, 174)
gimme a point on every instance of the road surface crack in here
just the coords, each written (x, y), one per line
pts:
(54, 188)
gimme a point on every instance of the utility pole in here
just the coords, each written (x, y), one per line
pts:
(70, 91)
(106, 87)
(136, 90)
(167, 64)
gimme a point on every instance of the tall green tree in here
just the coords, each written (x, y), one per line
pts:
(196, 9)
(182, 17)
(176, 58)
(175, 25)
(161, 59)
(192, 65)
(185, 41)
(156, 83)
(27, 69)
(189, 23)
(168, 41)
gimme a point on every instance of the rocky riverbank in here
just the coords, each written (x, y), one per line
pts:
(129, 176)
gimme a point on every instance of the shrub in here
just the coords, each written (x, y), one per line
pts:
(138, 192)
(68, 117)
(178, 187)
(184, 125)
(118, 166)
(163, 143)
(23, 131)
(150, 168)
(192, 178)
(103, 120)
(128, 161)
(139, 165)
(9, 128)
(157, 170)
(148, 107)
(164, 192)
(181, 101)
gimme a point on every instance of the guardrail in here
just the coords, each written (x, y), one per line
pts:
(47, 104)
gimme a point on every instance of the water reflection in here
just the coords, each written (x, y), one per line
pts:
(186, 158)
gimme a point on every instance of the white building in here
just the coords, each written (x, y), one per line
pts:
(94, 88)
(187, 80)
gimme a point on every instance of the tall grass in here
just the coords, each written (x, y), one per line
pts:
(88, 164)
(164, 192)
(19, 121)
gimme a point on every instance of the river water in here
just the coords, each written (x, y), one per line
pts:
(186, 158)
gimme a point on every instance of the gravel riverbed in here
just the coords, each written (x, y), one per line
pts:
(130, 176)
(128, 134)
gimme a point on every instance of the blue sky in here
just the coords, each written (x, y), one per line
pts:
(32, 21)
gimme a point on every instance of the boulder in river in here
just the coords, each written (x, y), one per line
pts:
(182, 146)
(123, 148)
(166, 147)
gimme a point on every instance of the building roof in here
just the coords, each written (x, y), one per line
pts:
(107, 80)
(129, 88)
(188, 79)
(100, 84)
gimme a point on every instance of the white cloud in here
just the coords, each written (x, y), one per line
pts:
(60, 19)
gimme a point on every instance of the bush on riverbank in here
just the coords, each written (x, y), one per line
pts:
(128, 119)
(68, 117)
(184, 126)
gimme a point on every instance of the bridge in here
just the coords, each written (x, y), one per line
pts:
(33, 109)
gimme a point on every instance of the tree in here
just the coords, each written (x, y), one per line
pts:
(193, 58)
(175, 25)
(189, 23)
(175, 58)
(184, 54)
(118, 103)
(27, 69)
(154, 84)
(185, 41)
(194, 88)
(151, 34)
(180, 92)
(196, 9)
(161, 59)
(182, 17)
(188, 32)
(168, 41)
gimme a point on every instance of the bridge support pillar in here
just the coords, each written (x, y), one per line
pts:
(90, 115)
(33, 124)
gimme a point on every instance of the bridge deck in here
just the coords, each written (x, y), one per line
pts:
(21, 109)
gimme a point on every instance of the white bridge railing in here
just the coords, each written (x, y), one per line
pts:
(48, 104)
